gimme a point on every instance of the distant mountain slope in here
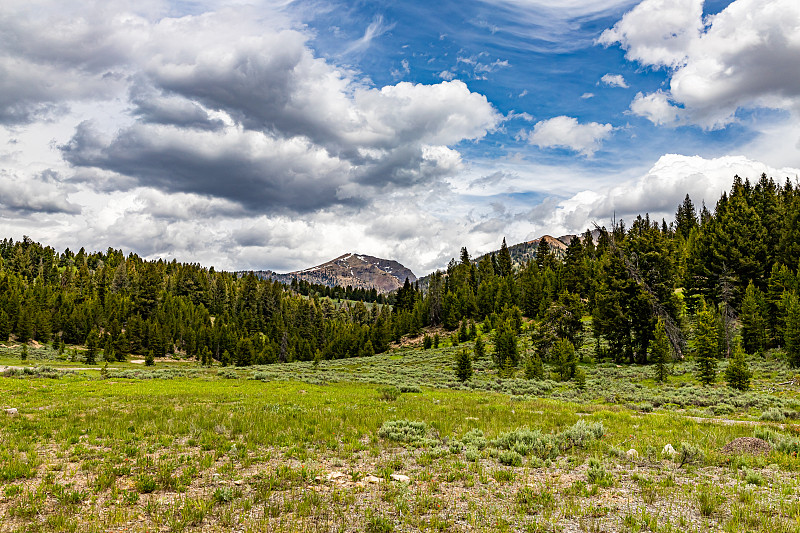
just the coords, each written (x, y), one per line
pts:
(526, 251)
(357, 270)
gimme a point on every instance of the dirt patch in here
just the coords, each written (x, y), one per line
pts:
(749, 445)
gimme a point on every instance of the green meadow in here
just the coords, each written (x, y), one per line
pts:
(389, 443)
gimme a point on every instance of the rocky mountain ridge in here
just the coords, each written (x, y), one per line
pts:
(359, 271)
(362, 271)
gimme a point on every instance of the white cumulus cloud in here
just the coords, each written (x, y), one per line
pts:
(661, 189)
(657, 108)
(567, 132)
(744, 57)
(614, 80)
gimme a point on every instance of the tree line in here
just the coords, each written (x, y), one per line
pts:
(737, 263)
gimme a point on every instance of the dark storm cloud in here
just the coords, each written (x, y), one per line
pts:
(230, 105)
(176, 111)
(260, 174)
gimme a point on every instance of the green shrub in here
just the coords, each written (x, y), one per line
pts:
(388, 394)
(580, 379)
(773, 414)
(547, 446)
(723, 409)
(405, 431)
(708, 499)
(596, 474)
(525, 441)
(510, 458)
(753, 478)
(145, 484)
(688, 454)
(471, 454)
(782, 443)
(223, 495)
(474, 438)
(581, 434)
(378, 524)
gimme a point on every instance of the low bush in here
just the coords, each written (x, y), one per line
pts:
(406, 431)
(773, 414)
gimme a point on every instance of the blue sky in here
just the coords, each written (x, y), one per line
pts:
(281, 134)
(541, 72)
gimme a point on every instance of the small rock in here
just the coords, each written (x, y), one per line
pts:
(400, 477)
(372, 479)
(12, 411)
(333, 476)
(669, 450)
(632, 454)
(237, 482)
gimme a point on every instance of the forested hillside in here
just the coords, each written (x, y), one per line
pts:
(737, 264)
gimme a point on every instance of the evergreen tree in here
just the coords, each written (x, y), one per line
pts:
(543, 254)
(91, 347)
(580, 378)
(149, 359)
(464, 256)
(480, 349)
(791, 335)
(706, 346)
(463, 365)
(505, 347)
(660, 355)
(533, 367)
(368, 350)
(463, 332)
(738, 374)
(754, 330)
(686, 218)
(5, 326)
(25, 325)
(24, 353)
(504, 260)
(575, 272)
(564, 357)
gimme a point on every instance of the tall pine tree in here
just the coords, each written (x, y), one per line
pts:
(706, 345)
(791, 335)
(660, 352)
(754, 330)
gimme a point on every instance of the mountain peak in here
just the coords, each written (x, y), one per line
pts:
(360, 271)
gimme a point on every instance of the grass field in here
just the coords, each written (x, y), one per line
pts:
(339, 447)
